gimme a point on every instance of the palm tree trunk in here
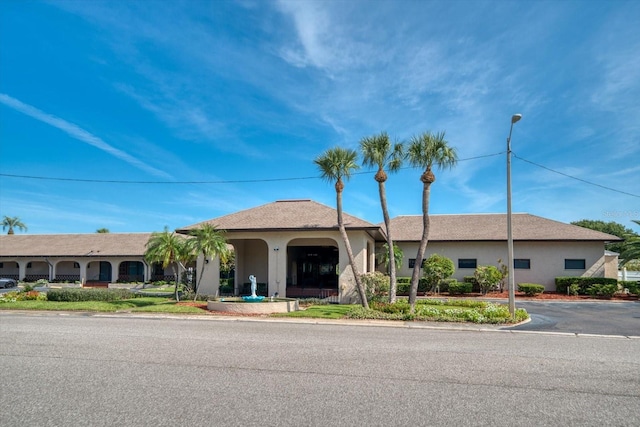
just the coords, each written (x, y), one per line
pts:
(415, 277)
(176, 296)
(198, 279)
(347, 244)
(392, 258)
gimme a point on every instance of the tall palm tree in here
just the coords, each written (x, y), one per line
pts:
(378, 151)
(426, 151)
(631, 247)
(167, 248)
(335, 164)
(210, 242)
(13, 222)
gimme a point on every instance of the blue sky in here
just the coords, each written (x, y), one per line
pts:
(236, 97)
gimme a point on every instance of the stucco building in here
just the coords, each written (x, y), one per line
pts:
(294, 249)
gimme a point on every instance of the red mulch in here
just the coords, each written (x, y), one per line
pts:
(203, 306)
(548, 296)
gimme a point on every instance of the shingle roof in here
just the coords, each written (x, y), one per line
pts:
(488, 227)
(285, 215)
(76, 245)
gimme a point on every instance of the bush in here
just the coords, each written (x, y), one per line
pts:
(376, 285)
(402, 287)
(487, 277)
(530, 289)
(633, 286)
(27, 288)
(562, 283)
(574, 288)
(603, 291)
(475, 286)
(444, 284)
(75, 295)
(457, 288)
(435, 269)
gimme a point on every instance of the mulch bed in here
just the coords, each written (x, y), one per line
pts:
(547, 296)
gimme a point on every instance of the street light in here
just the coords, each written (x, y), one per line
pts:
(512, 283)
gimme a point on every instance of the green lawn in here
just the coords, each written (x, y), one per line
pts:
(144, 304)
(332, 311)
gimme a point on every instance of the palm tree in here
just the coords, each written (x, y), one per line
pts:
(167, 248)
(631, 247)
(336, 164)
(425, 151)
(210, 242)
(13, 222)
(377, 151)
(383, 256)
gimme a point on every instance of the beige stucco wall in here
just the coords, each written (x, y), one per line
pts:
(547, 258)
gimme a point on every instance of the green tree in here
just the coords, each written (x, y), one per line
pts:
(102, 230)
(427, 151)
(13, 223)
(631, 248)
(210, 242)
(377, 151)
(168, 248)
(337, 164)
(487, 277)
(383, 256)
(610, 227)
(437, 268)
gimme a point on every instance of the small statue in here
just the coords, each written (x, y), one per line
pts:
(254, 285)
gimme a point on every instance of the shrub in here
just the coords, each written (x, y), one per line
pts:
(444, 284)
(600, 290)
(530, 289)
(27, 288)
(487, 277)
(457, 288)
(562, 283)
(376, 285)
(475, 286)
(403, 288)
(633, 286)
(574, 288)
(435, 269)
(75, 295)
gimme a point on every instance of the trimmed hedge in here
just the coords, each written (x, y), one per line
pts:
(458, 288)
(562, 283)
(403, 286)
(530, 289)
(475, 286)
(603, 291)
(76, 295)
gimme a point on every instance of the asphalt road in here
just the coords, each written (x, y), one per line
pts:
(99, 370)
(601, 317)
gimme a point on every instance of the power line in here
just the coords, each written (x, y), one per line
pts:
(240, 181)
(576, 178)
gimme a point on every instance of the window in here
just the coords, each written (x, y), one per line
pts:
(1, 265)
(467, 263)
(76, 265)
(412, 262)
(574, 264)
(28, 265)
(524, 264)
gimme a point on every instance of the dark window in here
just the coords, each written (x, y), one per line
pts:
(76, 265)
(467, 263)
(524, 264)
(1, 265)
(574, 264)
(28, 265)
(412, 262)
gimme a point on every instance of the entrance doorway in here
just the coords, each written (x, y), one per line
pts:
(312, 271)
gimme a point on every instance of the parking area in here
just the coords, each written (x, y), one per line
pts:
(599, 317)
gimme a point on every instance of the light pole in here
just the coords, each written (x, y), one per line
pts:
(512, 282)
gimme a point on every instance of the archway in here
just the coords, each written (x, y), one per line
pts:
(312, 268)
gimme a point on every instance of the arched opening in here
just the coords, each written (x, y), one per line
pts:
(130, 272)
(252, 257)
(67, 271)
(37, 270)
(10, 270)
(312, 268)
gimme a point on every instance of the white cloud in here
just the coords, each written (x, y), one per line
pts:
(78, 133)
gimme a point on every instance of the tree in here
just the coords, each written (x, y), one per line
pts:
(383, 256)
(102, 231)
(631, 249)
(11, 223)
(210, 242)
(487, 277)
(168, 248)
(378, 151)
(335, 164)
(426, 151)
(610, 227)
(437, 268)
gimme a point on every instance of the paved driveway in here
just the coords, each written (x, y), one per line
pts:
(605, 318)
